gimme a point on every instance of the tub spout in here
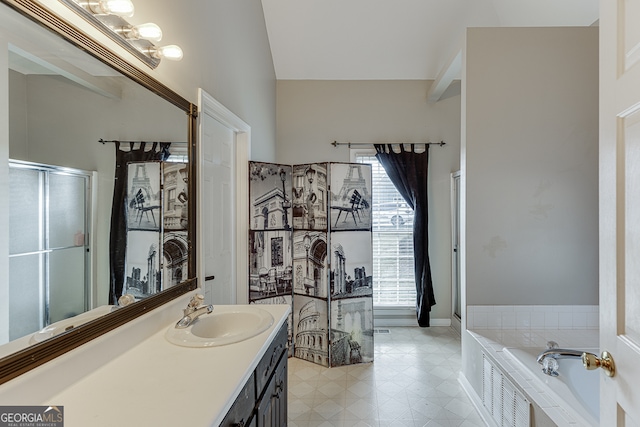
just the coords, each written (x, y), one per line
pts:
(559, 353)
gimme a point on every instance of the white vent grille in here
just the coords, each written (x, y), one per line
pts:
(506, 404)
(381, 331)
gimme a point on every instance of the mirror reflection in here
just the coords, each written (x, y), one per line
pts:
(69, 261)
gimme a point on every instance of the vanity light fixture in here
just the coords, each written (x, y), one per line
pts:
(172, 52)
(108, 17)
(122, 8)
(148, 31)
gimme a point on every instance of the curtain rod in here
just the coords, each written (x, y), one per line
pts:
(102, 141)
(336, 143)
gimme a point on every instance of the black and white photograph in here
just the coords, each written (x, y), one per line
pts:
(282, 299)
(310, 263)
(311, 330)
(175, 188)
(351, 264)
(270, 264)
(270, 196)
(142, 268)
(175, 251)
(144, 196)
(351, 331)
(350, 203)
(310, 196)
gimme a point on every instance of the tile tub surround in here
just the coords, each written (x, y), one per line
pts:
(493, 341)
(532, 317)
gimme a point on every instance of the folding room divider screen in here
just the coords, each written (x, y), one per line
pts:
(310, 246)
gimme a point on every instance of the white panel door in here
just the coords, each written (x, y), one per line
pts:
(217, 207)
(620, 209)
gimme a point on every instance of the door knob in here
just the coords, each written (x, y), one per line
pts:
(590, 361)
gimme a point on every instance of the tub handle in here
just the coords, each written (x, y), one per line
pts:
(590, 361)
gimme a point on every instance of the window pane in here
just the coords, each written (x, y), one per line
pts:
(392, 217)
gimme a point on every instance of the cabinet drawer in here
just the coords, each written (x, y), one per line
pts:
(242, 410)
(270, 359)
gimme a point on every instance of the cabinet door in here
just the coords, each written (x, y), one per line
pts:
(264, 409)
(279, 402)
(269, 361)
(272, 408)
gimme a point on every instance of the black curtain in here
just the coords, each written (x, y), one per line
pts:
(408, 172)
(118, 235)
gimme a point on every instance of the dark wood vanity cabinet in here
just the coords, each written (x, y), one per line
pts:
(241, 413)
(263, 400)
(272, 407)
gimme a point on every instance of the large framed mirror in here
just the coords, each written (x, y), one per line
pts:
(73, 107)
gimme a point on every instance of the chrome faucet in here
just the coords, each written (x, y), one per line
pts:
(193, 311)
(548, 358)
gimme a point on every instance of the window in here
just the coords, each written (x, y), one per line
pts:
(392, 218)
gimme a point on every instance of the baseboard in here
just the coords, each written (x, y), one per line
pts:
(401, 321)
(475, 401)
(401, 316)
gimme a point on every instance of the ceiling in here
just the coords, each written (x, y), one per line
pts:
(395, 39)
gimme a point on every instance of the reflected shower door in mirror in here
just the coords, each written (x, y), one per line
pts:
(56, 266)
(49, 263)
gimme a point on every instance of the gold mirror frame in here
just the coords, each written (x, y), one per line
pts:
(31, 357)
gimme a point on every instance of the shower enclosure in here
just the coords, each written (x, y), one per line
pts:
(49, 254)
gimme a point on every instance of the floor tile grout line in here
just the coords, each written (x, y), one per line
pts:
(433, 389)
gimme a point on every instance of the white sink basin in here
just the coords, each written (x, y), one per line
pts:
(226, 325)
(70, 323)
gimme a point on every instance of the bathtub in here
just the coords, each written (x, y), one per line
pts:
(575, 389)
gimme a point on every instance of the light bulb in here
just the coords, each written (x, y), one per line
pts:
(112, 7)
(147, 31)
(172, 52)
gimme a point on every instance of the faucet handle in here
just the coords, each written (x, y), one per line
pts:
(196, 300)
(552, 344)
(550, 366)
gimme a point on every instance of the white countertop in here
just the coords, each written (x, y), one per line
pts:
(153, 383)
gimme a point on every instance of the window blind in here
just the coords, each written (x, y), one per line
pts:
(392, 223)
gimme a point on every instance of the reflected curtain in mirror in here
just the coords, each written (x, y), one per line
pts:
(408, 171)
(119, 210)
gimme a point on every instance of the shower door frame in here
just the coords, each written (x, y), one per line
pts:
(44, 251)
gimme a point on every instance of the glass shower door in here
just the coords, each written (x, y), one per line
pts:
(68, 290)
(48, 261)
(26, 261)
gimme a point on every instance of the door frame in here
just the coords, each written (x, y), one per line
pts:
(242, 147)
(455, 270)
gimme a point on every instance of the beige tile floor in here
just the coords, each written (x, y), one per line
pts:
(413, 381)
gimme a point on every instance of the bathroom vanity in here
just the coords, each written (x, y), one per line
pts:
(133, 376)
(263, 399)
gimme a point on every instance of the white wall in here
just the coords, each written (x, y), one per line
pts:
(226, 52)
(530, 171)
(312, 114)
(531, 140)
